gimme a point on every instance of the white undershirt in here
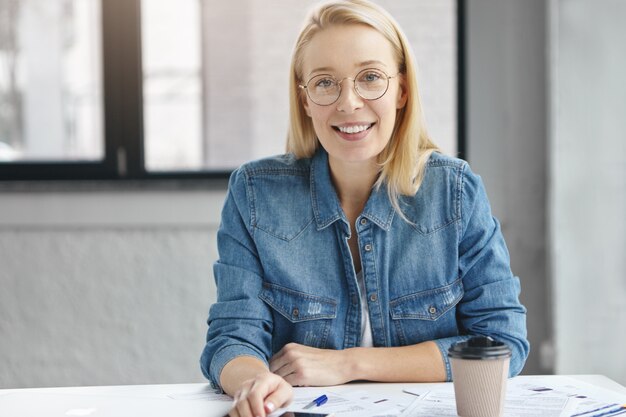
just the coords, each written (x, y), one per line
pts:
(366, 328)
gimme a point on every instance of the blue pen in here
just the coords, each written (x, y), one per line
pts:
(606, 410)
(612, 412)
(317, 402)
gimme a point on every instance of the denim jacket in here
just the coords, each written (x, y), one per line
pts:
(285, 272)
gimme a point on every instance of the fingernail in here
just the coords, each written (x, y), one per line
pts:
(269, 406)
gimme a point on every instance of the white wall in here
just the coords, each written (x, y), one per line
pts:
(588, 182)
(113, 286)
(105, 287)
(508, 142)
(546, 106)
(134, 267)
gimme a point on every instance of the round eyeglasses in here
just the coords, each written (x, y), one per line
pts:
(369, 84)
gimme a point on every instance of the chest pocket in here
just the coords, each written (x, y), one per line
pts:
(282, 205)
(426, 315)
(435, 206)
(298, 317)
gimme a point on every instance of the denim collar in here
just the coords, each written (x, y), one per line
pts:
(326, 206)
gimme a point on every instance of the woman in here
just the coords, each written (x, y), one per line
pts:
(363, 253)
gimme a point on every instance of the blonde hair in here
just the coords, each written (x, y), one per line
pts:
(403, 161)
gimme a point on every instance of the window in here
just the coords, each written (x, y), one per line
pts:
(141, 89)
(50, 80)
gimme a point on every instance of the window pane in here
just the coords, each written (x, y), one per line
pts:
(172, 85)
(50, 80)
(216, 76)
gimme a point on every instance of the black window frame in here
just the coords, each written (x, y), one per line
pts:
(123, 109)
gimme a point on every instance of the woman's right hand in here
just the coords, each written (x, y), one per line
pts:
(261, 395)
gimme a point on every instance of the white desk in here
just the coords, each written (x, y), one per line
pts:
(173, 400)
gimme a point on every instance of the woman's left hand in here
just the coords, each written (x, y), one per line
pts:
(306, 366)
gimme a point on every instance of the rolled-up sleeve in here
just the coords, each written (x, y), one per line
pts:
(240, 323)
(490, 305)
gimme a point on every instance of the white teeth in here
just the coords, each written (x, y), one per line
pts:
(353, 129)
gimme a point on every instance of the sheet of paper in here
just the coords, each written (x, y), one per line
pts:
(530, 396)
(546, 405)
(342, 402)
(417, 391)
(204, 393)
(436, 403)
(209, 396)
(442, 404)
(588, 400)
(397, 400)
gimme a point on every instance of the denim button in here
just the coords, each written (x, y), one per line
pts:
(295, 312)
(368, 247)
(373, 297)
(432, 310)
(363, 222)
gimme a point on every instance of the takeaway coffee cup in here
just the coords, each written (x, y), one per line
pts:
(480, 367)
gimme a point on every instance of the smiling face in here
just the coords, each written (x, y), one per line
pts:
(353, 130)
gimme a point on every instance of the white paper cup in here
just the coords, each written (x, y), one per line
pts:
(480, 368)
